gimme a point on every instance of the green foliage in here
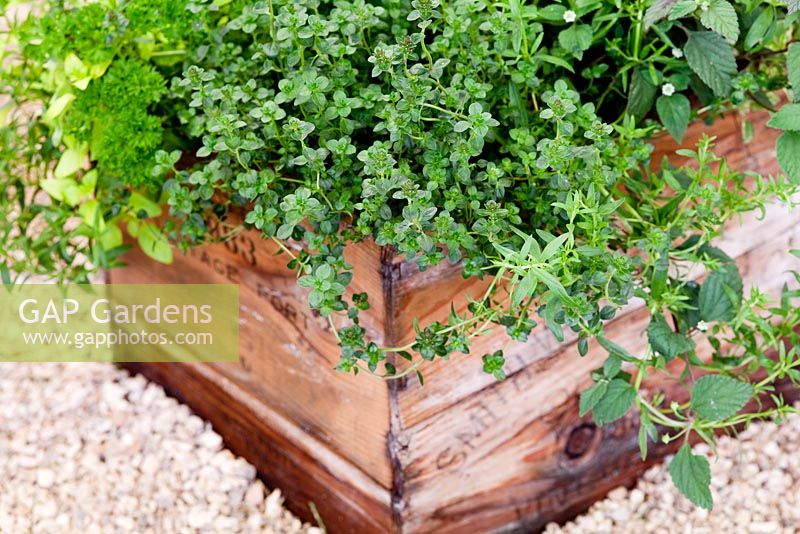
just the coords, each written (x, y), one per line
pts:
(112, 117)
(691, 473)
(615, 402)
(793, 69)
(674, 112)
(665, 340)
(720, 16)
(718, 397)
(510, 138)
(721, 294)
(712, 59)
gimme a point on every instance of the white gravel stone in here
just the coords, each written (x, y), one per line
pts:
(755, 482)
(45, 478)
(87, 448)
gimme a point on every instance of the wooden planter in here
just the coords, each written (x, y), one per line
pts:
(463, 453)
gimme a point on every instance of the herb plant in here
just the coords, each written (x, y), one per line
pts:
(328, 123)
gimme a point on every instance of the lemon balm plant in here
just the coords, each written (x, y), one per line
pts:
(511, 138)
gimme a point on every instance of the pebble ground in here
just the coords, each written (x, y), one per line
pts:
(87, 448)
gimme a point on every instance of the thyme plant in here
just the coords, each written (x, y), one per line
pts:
(511, 138)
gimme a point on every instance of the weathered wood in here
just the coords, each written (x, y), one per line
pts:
(287, 359)
(462, 458)
(464, 452)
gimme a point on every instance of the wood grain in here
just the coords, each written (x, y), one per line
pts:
(288, 353)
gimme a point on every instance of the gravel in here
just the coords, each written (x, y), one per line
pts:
(755, 483)
(88, 448)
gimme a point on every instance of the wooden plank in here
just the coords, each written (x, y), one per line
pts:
(758, 154)
(585, 463)
(288, 352)
(498, 458)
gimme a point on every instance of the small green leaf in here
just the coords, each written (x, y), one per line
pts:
(788, 149)
(139, 202)
(720, 16)
(547, 58)
(615, 402)
(712, 59)
(787, 118)
(554, 246)
(721, 294)
(717, 397)
(683, 8)
(612, 366)
(646, 430)
(666, 341)
(70, 162)
(576, 39)
(154, 244)
(657, 11)
(57, 106)
(674, 112)
(591, 396)
(58, 188)
(640, 96)
(111, 237)
(615, 349)
(691, 474)
(760, 27)
(551, 13)
(793, 69)
(5, 275)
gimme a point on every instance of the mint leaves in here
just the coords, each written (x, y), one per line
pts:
(691, 474)
(788, 149)
(793, 68)
(640, 96)
(615, 402)
(721, 294)
(711, 57)
(718, 397)
(719, 15)
(674, 112)
(576, 39)
(666, 341)
(787, 118)
(591, 396)
(788, 145)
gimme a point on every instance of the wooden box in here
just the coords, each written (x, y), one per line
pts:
(464, 452)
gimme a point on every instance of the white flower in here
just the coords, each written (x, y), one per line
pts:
(677, 53)
(702, 326)
(704, 6)
(667, 89)
(570, 16)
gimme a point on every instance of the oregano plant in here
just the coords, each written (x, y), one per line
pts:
(510, 138)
